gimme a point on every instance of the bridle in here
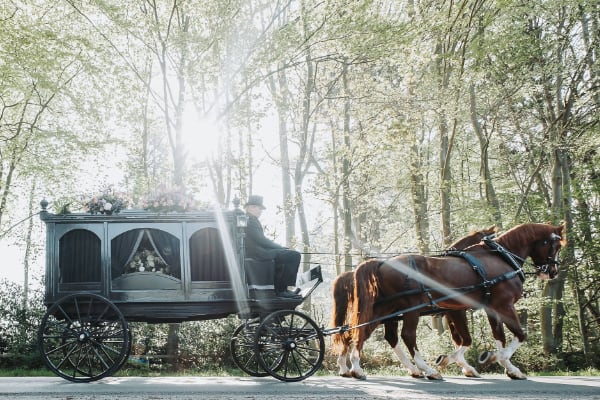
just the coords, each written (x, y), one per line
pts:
(550, 261)
(516, 262)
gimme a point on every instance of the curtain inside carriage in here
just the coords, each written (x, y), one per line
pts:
(207, 256)
(80, 257)
(127, 245)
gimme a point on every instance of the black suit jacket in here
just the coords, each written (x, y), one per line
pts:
(257, 245)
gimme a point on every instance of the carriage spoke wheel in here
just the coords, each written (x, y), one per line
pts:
(242, 349)
(84, 337)
(289, 345)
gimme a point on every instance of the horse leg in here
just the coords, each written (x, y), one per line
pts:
(409, 336)
(342, 361)
(507, 315)
(457, 322)
(391, 336)
(360, 336)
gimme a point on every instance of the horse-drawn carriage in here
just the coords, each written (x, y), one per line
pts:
(103, 271)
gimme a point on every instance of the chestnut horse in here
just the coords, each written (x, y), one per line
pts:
(488, 275)
(343, 297)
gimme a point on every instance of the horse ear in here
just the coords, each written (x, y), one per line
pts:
(560, 229)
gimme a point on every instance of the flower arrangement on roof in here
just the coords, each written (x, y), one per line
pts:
(169, 200)
(106, 202)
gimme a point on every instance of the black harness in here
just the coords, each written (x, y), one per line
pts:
(509, 257)
(485, 286)
(513, 260)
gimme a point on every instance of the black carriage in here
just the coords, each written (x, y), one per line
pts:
(103, 271)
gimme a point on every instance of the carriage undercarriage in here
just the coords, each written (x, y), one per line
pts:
(85, 337)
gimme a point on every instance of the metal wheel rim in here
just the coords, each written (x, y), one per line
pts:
(243, 350)
(289, 345)
(83, 338)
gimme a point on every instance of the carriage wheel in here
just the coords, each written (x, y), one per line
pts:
(242, 349)
(289, 345)
(84, 337)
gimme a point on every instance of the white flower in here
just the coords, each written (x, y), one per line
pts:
(107, 206)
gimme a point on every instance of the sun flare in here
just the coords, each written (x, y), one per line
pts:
(201, 137)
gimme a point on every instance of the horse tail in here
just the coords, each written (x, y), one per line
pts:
(366, 290)
(343, 297)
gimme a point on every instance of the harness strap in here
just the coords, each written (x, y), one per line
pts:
(507, 255)
(477, 266)
(423, 289)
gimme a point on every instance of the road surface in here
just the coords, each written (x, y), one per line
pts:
(313, 388)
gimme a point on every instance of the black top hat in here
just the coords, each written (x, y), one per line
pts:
(255, 200)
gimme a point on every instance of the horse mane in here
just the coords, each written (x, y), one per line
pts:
(366, 290)
(528, 232)
(476, 235)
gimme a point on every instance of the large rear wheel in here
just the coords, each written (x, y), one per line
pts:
(289, 345)
(84, 337)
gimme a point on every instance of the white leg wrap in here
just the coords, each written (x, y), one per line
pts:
(343, 365)
(422, 365)
(503, 357)
(459, 358)
(414, 371)
(355, 361)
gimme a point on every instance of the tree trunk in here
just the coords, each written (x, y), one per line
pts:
(484, 169)
(584, 227)
(28, 246)
(347, 217)
(419, 195)
(286, 181)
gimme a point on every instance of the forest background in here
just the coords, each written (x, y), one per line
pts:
(371, 128)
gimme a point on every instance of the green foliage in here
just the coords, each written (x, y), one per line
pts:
(203, 345)
(19, 321)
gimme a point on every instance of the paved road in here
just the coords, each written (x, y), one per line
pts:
(331, 388)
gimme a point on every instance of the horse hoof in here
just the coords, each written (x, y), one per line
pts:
(471, 374)
(417, 376)
(487, 357)
(442, 361)
(516, 376)
(435, 377)
(360, 377)
(346, 375)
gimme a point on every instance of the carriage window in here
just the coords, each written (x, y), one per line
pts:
(207, 257)
(79, 257)
(145, 250)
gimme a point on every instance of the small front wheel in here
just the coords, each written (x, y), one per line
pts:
(84, 337)
(242, 349)
(289, 345)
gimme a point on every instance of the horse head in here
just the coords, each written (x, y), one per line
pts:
(540, 242)
(545, 250)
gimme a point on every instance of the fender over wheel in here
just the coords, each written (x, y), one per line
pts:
(84, 337)
(289, 345)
